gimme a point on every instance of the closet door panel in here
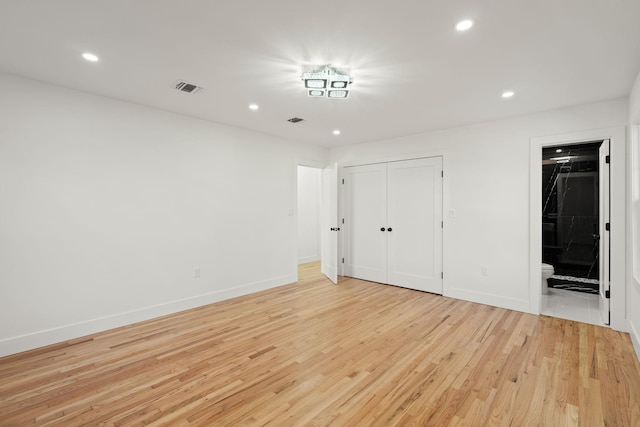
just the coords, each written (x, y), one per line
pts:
(414, 208)
(365, 215)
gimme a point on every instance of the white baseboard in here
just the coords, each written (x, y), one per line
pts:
(488, 299)
(635, 338)
(306, 259)
(46, 337)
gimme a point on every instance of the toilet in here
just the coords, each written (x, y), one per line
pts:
(547, 271)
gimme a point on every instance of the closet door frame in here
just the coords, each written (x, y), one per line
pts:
(372, 160)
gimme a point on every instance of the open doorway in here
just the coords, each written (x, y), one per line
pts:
(309, 189)
(317, 225)
(574, 248)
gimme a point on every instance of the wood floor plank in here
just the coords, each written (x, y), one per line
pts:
(315, 353)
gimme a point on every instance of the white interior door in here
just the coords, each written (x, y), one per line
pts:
(603, 255)
(329, 223)
(414, 224)
(365, 224)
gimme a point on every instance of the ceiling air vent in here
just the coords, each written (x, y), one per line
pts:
(295, 120)
(183, 86)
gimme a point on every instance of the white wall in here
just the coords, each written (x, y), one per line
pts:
(308, 214)
(107, 208)
(633, 268)
(486, 204)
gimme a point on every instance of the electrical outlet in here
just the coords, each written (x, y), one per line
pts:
(196, 273)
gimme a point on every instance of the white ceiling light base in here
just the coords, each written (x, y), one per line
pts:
(325, 81)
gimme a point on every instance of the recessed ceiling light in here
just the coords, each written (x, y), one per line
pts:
(464, 25)
(89, 57)
(253, 107)
(508, 94)
(336, 132)
(558, 150)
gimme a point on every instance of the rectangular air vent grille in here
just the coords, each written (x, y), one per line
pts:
(184, 86)
(295, 120)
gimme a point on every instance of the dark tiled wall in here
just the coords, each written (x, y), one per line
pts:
(570, 210)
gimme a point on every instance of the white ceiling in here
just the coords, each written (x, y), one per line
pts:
(412, 71)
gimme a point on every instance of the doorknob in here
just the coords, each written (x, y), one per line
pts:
(333, 229)
(382, 229)
(389, 229)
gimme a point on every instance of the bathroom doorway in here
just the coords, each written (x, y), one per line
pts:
(572, 231)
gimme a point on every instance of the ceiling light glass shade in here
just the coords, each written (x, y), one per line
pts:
(340, 81)
(318, 78)
(338, 94)
(315, 83)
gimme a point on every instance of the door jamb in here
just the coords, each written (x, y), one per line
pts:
(446, 218)
(294, 208)
(617, 184)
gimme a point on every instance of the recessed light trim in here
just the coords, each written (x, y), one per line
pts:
(464, 25)
(336, 132)
(90, 57)
(508, 94)
(254, 107)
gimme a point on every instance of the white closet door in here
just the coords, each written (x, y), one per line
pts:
(414, 224)
(365, 255)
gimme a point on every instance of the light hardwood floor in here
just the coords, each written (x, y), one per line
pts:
(313, 353)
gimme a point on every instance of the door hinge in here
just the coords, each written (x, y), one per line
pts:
(607, 159)
(442, 174)
(607, 226)
(343, 220)
(343, 260)
(343, 180)
(442, 274)
(442, 224)
(607, 294)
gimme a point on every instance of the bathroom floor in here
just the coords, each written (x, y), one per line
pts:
(576, 284)
(578, 306)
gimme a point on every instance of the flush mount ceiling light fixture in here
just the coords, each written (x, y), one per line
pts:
(326, 81)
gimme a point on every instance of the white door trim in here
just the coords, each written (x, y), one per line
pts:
(294, 208)
(376, 159)
(617, 136)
